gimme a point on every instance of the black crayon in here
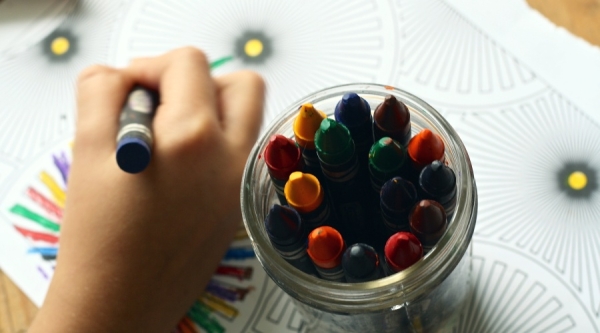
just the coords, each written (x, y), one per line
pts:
(438, 182)
(398, 196)
(361, 263)
(289, 237)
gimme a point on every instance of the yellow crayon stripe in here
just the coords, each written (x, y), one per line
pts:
(218, 305)
(59, 195)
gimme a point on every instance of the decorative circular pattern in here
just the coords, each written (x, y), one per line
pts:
(298, 47)
(25, 23)
(37, 88)
(519, 295)
(449, 62)
(536, 164)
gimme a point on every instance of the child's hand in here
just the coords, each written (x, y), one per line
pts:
(136, 250)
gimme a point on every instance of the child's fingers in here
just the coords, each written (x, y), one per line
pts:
(101, 93)
(241, 99)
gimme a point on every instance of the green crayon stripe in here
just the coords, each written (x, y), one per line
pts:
(220, 62)
(200, 314)
(26, 213)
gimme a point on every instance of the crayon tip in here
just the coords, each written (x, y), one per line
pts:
(325, 247)
(283, 224)
(426, 147)
(306, 124)
(333, 142)
(360, 260)
(391, 115)
(386, 155)
(133, 154)
(352, 110)
(398, 194)
(282, 156)
(428, 217)
(437, 178)
(402, 250)
(303, 192)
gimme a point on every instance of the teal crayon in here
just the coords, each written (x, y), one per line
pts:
(346, 182)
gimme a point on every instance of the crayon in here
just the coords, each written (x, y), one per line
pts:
(386, 160)
(305, 125)
(346, 182)
(424, 148)
(326, 248)
(402, 250)
(361, 263)
(354, 112)
(134, 139)
(304, 193)
(392, 118)
(428, 222)
(287, 233)
(438, 182)
(282, 157)
(398, 196)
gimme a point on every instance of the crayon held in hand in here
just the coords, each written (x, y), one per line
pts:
(354, 112)
(282, 157)
(325, 248)
(428, 223)
(304, 193)
(402, 250)
(361, 263)
(438, 182)
(288, 236)
(134, 139)
(392, 118)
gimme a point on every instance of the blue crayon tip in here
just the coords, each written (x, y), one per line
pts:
(352, 110)
(133, 155)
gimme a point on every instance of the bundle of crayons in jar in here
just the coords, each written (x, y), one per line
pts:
(360, 198)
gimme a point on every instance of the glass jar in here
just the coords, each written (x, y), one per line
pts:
(426, 297)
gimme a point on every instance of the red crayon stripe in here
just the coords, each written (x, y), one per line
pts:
(242, 273)
(186, 326)
(49, 206)
(37, 236)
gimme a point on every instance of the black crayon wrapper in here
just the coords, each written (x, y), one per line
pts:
(377, 273)
(279, 185)
(321, 216)
(332, 274)
(297, 256)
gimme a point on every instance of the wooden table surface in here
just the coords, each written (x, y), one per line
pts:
(581, 17)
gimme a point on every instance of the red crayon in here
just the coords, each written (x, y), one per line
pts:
(424, 148)
(282, 157)
(326, 248)
(428, 223)
(402, 250)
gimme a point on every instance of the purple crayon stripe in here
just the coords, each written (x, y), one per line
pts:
(226, 291)
(63, 165)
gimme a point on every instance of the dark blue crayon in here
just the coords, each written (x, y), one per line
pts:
(134, 139)
(398, 197)
(361, 263)
(288, 236)
(239, 253)
(347, 183)
(438, 182)
(354, 112)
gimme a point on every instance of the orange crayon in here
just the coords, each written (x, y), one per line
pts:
(305, 126)
(304, 193)
(424, 148)
(326, 248)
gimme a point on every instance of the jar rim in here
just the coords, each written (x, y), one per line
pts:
(394, 289)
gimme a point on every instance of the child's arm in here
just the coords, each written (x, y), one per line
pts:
(136, 250)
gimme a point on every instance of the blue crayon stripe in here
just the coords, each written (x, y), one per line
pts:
(239, 253)
(45, 251)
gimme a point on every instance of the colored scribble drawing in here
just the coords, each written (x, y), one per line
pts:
(37, 216)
